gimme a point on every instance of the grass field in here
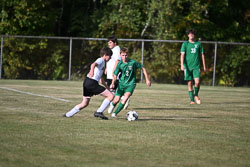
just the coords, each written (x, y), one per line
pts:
(169, 132)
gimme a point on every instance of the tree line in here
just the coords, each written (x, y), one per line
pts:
(224, 20)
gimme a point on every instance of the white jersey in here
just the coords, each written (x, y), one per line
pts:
(98, 71)
(111, 63)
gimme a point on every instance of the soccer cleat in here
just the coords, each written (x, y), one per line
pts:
(100, 115)
(192, 102)
(197, 100)
(126, 104)
(111, 108)
(113, 115)
(64, 115)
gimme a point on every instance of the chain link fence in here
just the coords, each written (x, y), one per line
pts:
(68, 58)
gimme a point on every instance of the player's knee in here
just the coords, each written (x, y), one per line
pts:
(83, 104)
(116, 100)
(110, 96)
(197, 84)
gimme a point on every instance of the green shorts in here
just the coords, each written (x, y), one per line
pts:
(121, 90)
(191, 74)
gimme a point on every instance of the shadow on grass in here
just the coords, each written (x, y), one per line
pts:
(230, 102)
(169, 118)
(165, 108)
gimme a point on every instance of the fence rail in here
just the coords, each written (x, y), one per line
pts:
(142, 41)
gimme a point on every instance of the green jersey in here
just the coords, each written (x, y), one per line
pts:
(128, 72)
(192, 54)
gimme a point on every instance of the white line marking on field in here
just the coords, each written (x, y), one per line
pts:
(28, 93)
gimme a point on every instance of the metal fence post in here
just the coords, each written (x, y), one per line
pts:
(142, 58)
(70, 58)
(215, 57)
(1, 57)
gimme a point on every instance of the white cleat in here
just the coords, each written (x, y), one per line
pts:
(113, 115)
(197, 100)
(111, 108)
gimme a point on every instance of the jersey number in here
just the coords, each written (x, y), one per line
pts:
(193, 50)
(127, 73)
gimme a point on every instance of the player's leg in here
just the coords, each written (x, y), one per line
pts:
(112, 106)
(118, 94)
(128, 92)
(122, 103)
(126, 104)
(196, 74)
(188, 76)
(78, 107)
(109, 97)
(196, 90)
(113, 103)
(191, 92)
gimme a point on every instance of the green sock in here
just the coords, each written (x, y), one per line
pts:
(196, 91)
(119, 108)
(191, 95)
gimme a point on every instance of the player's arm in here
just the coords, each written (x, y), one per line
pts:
(102, 81)
(115, 73)
(92, 68)
(116, 62)
(182, 61)
(203, 62)
(112, 86)
(146, 76)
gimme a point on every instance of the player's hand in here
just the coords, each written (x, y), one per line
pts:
(182, 67)
(112, 86)
(148, 83)
(205, 69)
(91, 74)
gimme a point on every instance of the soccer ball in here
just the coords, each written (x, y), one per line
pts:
(132, 116)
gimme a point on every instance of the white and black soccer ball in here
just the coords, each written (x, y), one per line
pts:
(132, 116)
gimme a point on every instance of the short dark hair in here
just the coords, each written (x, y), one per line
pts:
(113, 39)
(106, 50)
(124, 50)
(192, 31)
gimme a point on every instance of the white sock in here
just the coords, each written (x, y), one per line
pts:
(72, 112)
(111, 108)
(104, 105)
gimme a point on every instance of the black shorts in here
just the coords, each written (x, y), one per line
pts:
(91, 87)
(109, 82)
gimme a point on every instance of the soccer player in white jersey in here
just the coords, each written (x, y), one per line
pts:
(91, 86)
(114, 60)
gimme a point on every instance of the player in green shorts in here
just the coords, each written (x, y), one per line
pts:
(190, 64)
(127, 81)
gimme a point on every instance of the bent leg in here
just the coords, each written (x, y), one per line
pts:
(109, 97)
(78, 107)
(122, 103)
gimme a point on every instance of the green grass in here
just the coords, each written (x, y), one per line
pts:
(169, 132)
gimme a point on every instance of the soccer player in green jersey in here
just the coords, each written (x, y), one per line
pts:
(191, 51)
(127, 81)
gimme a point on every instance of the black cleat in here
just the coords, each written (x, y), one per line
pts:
(100, 115)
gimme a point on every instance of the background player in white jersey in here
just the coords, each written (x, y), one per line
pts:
(91, 86)
(114, 60)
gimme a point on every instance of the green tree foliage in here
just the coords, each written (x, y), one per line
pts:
(27, 17)
(34, 59)
(224, 20)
